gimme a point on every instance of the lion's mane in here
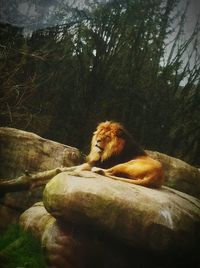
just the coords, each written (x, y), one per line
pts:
(118, 145)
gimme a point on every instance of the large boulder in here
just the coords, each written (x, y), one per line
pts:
(21, 151)
(71, 246)
(160, 221)
(179, 174)
(93, 221)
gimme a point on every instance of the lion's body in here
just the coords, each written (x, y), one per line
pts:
(143, 171)
(115, 154)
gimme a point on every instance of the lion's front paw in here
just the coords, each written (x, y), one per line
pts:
(98, 170)
(109, 172)
(74, 173)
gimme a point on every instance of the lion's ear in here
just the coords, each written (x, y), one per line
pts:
(121, 133)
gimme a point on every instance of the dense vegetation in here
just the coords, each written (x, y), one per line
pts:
(125, 60)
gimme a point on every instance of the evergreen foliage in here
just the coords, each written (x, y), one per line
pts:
(123, 60)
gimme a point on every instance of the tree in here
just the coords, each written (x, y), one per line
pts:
(125, 60)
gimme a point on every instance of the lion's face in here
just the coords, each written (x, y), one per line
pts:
(106, 141)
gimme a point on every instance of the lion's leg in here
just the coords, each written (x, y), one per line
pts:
(150, 181)
(120, 170)
(85, 166)
(76, 170)
(97, 170)
(127, 173)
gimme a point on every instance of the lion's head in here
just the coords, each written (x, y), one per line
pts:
(109, 140)
(112, 144)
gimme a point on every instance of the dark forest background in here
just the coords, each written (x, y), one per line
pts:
(125, 60)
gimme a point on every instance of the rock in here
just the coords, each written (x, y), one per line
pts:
(21, 151)
(8, 215)
(62, 247)
(160, 221)
(13, 204)
(69, 245)
(178, 174)
(36, 219)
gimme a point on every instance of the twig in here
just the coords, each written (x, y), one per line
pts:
(30, 181)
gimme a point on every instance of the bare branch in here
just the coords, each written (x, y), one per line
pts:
(30, 181)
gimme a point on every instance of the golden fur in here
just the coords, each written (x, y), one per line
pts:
(115, 154)
(105, 142)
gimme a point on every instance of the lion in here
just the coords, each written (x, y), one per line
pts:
(115, 154)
